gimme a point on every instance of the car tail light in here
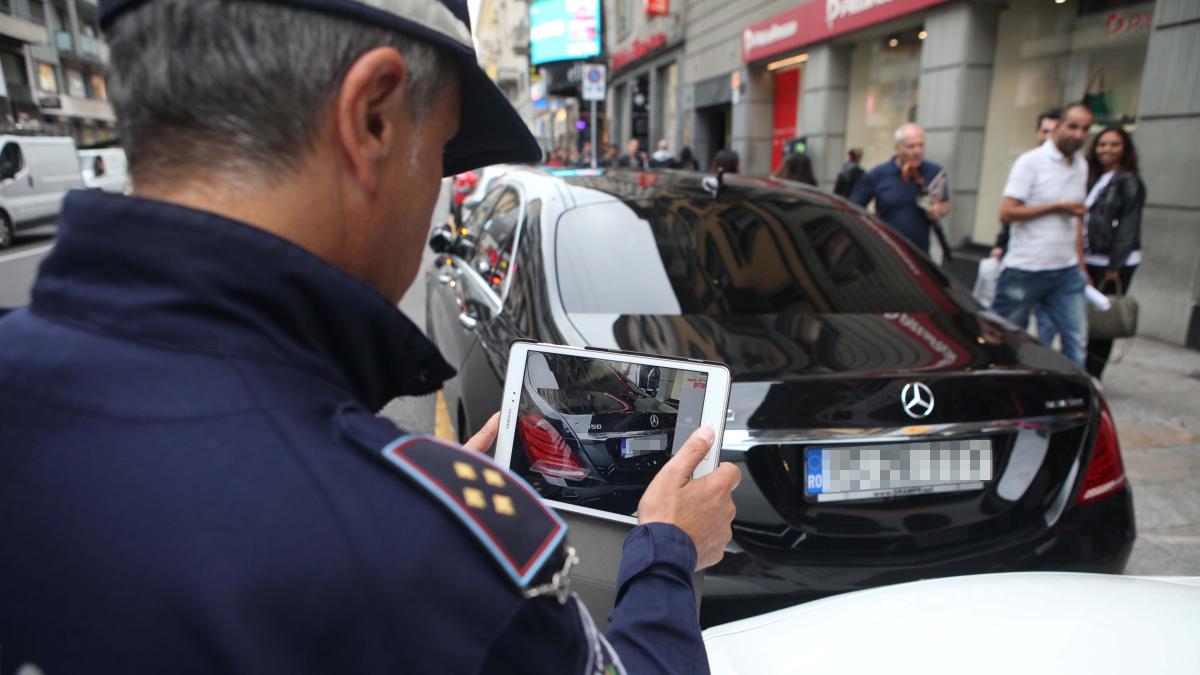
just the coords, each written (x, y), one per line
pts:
(1105, 472)
(548, 453)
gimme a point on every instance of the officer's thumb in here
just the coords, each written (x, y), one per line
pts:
(679, 470)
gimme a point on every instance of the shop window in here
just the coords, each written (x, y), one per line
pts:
(1047, 58)
(885, 72)
(47, 78)
(75, 86)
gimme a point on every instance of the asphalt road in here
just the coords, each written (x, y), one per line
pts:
(18, 265)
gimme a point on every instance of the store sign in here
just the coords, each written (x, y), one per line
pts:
(1120, 24)
(637, 50)
(658, 7)
(563, 30)
(818, 20)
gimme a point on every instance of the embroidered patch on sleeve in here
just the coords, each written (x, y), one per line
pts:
(499, 509)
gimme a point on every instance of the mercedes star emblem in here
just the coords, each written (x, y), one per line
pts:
(917, 400)
(654, 421)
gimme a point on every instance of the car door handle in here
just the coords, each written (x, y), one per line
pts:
(469, 322)
(30, 179)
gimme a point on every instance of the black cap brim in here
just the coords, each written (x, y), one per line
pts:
(489, 129)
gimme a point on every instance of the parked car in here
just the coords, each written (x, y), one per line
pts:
(104, 168)
(587, 432)
(35, 174)
(1025, 622)
(888, 428)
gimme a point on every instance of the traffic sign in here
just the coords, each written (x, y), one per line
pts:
(595, 76)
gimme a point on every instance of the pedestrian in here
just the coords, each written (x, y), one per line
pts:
(798, 168)
(1047, 120)
(192, 475)
(911, 194)
(1113, 223)
(1046, 330)
(687, 160)
(610, 157)
(585, 157)
(1043, 199)
(851, 172)
(633, 158)
(726, 160)
(662, 157)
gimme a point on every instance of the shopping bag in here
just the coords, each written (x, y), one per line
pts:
(986, 280)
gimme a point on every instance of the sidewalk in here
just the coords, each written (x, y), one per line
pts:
(1154, 395)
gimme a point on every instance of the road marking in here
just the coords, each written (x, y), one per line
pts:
(25, 254)
(442, 427)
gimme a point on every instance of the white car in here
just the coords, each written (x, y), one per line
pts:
(1024, 622)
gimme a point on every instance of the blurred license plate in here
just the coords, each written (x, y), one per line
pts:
(872, 471)
(642, 445)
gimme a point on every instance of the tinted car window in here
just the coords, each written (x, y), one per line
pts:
(495, 240)
(778, 255)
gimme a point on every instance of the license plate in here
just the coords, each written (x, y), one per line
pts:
(871, 471)
(642, 445)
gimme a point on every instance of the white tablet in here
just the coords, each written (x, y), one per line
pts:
(590, 428)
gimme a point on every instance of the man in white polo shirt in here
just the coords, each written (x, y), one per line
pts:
(1043, 200)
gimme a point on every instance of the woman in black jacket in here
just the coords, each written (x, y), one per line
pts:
(1113, 222)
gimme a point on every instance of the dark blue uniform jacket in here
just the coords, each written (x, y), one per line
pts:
(191, 480)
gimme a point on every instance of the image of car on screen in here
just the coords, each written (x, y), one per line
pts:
(593, 432)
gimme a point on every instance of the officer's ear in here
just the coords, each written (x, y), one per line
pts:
(370, 115)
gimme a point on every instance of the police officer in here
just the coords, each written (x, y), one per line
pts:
(192, 479)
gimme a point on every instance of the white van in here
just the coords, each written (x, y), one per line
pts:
(105, 169)
(35, 174)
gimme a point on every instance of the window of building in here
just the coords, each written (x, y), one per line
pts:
(884, 72)
(37, 11)
(624, 18)
(6, 6)
(47, 78)
(14, 70)
(75, 85)
(99, 90)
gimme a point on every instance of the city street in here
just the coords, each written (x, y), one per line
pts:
(1152, 391)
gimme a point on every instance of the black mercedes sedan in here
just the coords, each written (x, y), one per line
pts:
(888, 427)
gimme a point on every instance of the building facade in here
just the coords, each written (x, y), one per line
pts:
(54, 69)
(975, 74)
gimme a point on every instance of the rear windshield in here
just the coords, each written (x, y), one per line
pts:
(778, 255)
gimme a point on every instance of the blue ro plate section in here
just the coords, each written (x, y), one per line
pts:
(843, 473)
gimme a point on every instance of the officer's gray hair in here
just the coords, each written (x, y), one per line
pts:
(242, 87)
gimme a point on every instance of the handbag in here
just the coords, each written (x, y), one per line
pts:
(1118, 321)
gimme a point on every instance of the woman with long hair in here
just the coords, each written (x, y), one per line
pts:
(1113, 222)
(726, 160)
(797, 168)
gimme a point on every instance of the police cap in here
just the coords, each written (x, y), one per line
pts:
(490, 130)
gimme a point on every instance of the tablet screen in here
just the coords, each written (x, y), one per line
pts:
(593, 432)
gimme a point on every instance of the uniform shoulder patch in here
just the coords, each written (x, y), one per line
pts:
(502, 512)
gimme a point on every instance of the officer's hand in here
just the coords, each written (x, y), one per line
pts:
(703, 508)
(482, 441)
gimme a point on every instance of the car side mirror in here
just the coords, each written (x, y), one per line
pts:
(441, 241)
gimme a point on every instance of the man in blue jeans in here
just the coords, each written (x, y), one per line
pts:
(1043, 200)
